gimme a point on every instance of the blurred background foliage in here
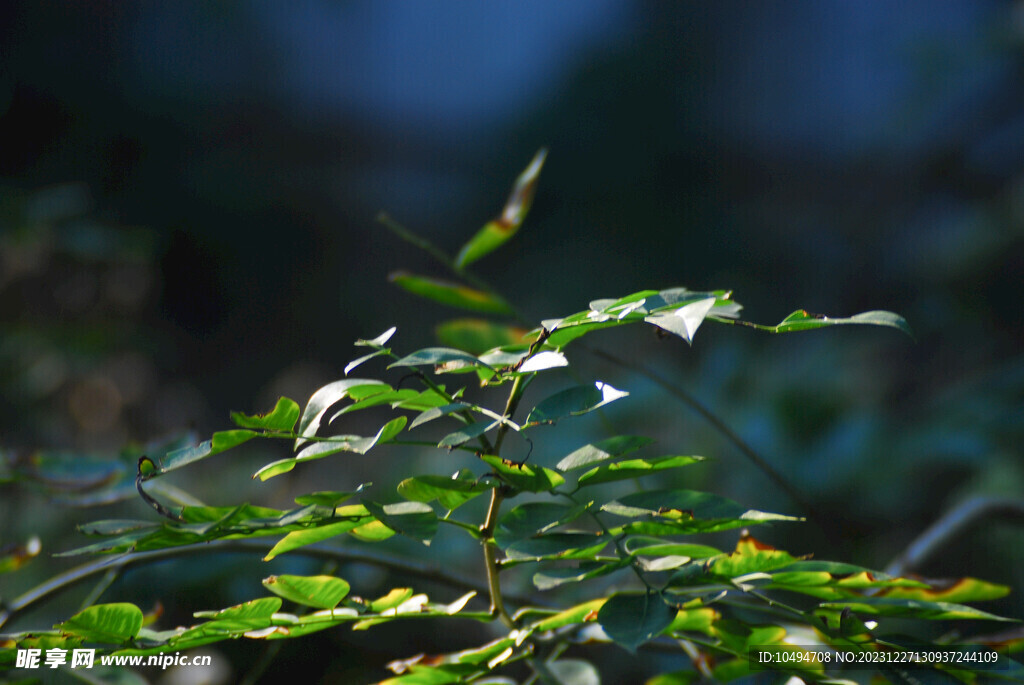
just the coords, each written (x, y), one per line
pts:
(188, 192)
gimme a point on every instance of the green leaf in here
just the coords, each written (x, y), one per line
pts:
(442, 358)
(573, 402)
(451, 294)
(325, 498)
(476, 336)
(574, 672)
(912, 608)
(685, 320)
(524, 476)
(557, 546)
(310, 536)
(225, 440)
(438, 412)
(450, 492)
(333, 445)
(552, 578)
(467, 433)
(605, 449)
(679, 512)
(801, 320)
(533, 518)
(379, 341)
(632, 620)
(654, 547)
(634, 468)
(495, 233)
(542, 361)
(581, 613)
(412, 519)
(359, 361)
(322, 400)
(281, 418)
(111, 623)
(322, 592)
(751, 556)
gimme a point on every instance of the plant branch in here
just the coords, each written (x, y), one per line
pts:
(78, 574)
(953, 524)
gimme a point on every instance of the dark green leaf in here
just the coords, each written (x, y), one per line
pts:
(605, 449)
(634, 468)
(467, 433)
(438, 412)
(801, 320)
(632, 620)
(451, 294)
(524, 476)
(495, 233)
(557, 546)
(326, 498)
(281, 418)
(552, 578)
(111, 623)
(533, 518)
(322, 592)
(912, 608)
(573, 402)
(442, 358)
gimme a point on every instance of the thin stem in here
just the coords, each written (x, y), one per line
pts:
(491, 559)
(514, 396)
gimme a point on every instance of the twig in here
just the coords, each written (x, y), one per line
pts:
(953, 524)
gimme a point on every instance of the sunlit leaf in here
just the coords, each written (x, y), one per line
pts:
(751, 556)
(451, 294)
(495, 233)
(310, 536)
(322, 592)
(379, 341)
(524, 476)
(543, 361)
(450, 492)
(634, 468)
(631, 620)
(605, 449)
(281, 418)
(573, 402)
(359, 361)
(412, 519)
(112, 623)
(574, 672)
(322, 400)
(685, 320)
